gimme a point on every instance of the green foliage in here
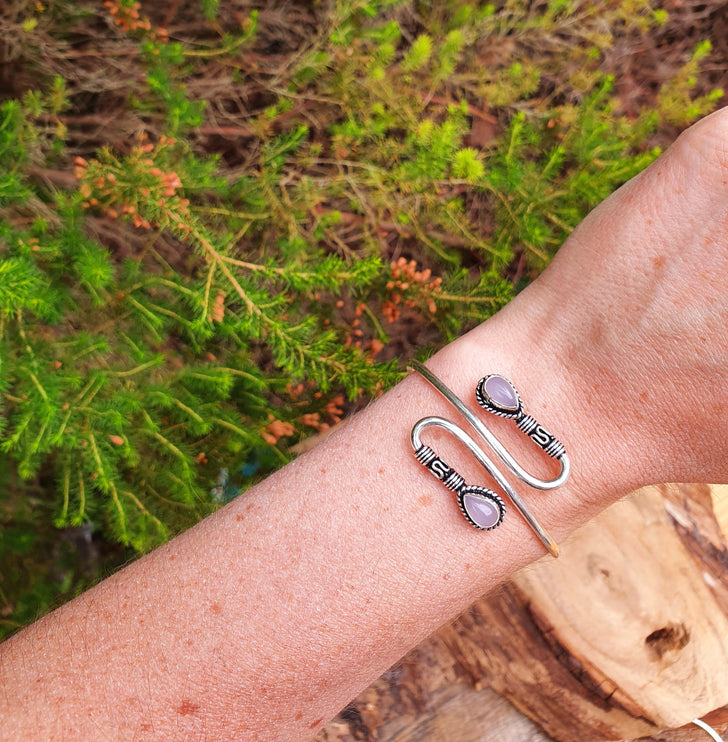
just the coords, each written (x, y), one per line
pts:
(549, 177)
(192, 287)
(466, 165)
(676, 103)
(418, 55)
(210, 8)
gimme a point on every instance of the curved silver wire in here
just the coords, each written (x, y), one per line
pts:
(490, 467)
(490, 439)
(705, 727)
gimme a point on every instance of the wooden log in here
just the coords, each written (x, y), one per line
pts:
(428, 697)
(622, 637)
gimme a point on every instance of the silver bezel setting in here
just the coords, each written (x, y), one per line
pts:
(484, 494)
(488, 403)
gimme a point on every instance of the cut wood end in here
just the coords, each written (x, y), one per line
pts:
(719, 493)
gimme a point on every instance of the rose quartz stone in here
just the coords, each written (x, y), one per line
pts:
(501, 392)
(482, 511)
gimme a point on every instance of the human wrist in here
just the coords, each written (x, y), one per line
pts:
(521, 344)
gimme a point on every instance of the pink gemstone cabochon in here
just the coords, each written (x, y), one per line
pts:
(501, 393)
(483, 512)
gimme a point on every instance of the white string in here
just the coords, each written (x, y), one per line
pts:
(700, 723)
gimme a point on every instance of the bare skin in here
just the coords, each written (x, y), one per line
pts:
(265, 619)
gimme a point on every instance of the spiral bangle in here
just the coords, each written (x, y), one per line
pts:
(482, 507)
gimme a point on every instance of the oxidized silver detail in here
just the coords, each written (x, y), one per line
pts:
(527, 424)
(453, 481)
(449, 477)
(425, 454)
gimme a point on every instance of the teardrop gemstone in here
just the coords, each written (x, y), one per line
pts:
(501, 393)
(483, 512)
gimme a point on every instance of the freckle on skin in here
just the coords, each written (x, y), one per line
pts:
(425, 500)
(216, 608)
(298, 716)
(187, 708)
(659, 261)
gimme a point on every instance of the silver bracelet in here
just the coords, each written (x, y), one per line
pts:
(482, 507)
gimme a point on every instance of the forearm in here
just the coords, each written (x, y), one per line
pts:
(265, 619)
(261, 622)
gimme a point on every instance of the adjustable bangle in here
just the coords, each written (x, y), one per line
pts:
(482, 507)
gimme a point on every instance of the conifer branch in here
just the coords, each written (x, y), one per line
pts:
(165, 442)
(38, 385)
(120, 510)
(65, 490)
(234, 428)
(158, 361)
(99, 466)
(188, 410)
(457, 299)
(81, 515)
(162, 528)
(208, 288)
